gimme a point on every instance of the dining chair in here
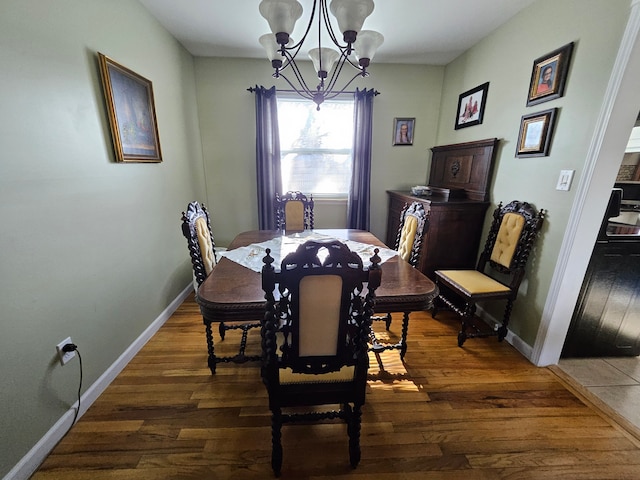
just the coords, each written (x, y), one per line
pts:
(315, 338)
(196, 227)
(294, 211)
(498, 273)
(414, 222)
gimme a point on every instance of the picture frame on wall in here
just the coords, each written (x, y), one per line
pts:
(471, 106)
(131, 111)
(549, 75)
(536, 130)
(403, 130)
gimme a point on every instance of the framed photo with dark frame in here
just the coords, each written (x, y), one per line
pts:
(132, 113)
(403, 130)
(471, 105)
(549, 75)
(536, 129)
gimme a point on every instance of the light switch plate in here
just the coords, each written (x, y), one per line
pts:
(564, 181)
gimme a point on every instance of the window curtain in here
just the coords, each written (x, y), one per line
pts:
(358, 205)
(267, 155)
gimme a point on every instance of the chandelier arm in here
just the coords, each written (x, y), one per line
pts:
(338, 69)
(355, 65)
(327, 23)
(335, 74)
(299, 78)
(289, 61)
(303, 93)
(329, 94)
(298, 45)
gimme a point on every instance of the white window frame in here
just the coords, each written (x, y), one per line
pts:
(323, 197)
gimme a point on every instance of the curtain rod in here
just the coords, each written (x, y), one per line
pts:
(253, 89)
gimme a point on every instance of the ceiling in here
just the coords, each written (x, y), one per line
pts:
(432, 32)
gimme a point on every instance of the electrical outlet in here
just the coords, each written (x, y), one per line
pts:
(64, 356)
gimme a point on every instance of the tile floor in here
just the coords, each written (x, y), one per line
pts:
(614, 380)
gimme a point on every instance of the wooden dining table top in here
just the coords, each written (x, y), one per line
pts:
(234, 292)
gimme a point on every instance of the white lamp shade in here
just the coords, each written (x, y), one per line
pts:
(367, 44)
(281, 14)
(268, 41)
(351, 14)
(326, 56)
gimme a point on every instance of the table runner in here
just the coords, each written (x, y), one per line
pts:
(251, 256)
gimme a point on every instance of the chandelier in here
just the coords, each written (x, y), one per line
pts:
(282, 50)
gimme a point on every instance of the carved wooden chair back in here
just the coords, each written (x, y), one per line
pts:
(511, 237)
(196, 227)
(294, 211)
(314, 336)
(414, 222)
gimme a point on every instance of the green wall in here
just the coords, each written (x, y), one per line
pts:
(90, 249)
(505, 59)
(93, 249)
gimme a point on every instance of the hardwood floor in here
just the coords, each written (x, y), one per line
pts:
(475, 413)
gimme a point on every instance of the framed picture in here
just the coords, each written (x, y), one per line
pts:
(403, 129)
(534, 139)
(471, 106)
(132, 113)
(549, 75)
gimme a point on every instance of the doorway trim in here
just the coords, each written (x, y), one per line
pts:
(617, 115)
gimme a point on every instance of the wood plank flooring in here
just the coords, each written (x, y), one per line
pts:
(476, 413)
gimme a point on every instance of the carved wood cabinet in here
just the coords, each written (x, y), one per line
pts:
(453, 234)
(458, 199)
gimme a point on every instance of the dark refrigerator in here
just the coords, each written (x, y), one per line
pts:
(606, 319)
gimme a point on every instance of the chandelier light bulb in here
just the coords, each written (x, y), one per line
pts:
(281, 15)
(366, 46)
(351, 15)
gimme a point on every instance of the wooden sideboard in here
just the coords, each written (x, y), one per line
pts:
(453, 235)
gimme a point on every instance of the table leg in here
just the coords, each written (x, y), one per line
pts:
(378, 347)
(405, 329)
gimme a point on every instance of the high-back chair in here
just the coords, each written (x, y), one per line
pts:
(196, 227)
(414, 221)
(294, 211)
(314, 337)
(499, 272)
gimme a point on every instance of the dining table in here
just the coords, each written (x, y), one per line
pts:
(233, 290)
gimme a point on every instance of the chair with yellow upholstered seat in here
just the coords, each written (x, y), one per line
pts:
(414, 222)
(294, 211)
(314, 338)
(196, 227)
(499, 271)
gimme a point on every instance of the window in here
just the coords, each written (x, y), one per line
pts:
(316, 146)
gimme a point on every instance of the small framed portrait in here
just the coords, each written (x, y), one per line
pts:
(536, 129)
(403, 130)
(132, 113)
(549, 75)
(471, 105)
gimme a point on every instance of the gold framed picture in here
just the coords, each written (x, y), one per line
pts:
(132, 113)
(536, 129)
(549, 75)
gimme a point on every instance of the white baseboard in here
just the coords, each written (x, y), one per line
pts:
(32, 460)
(514, 340)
